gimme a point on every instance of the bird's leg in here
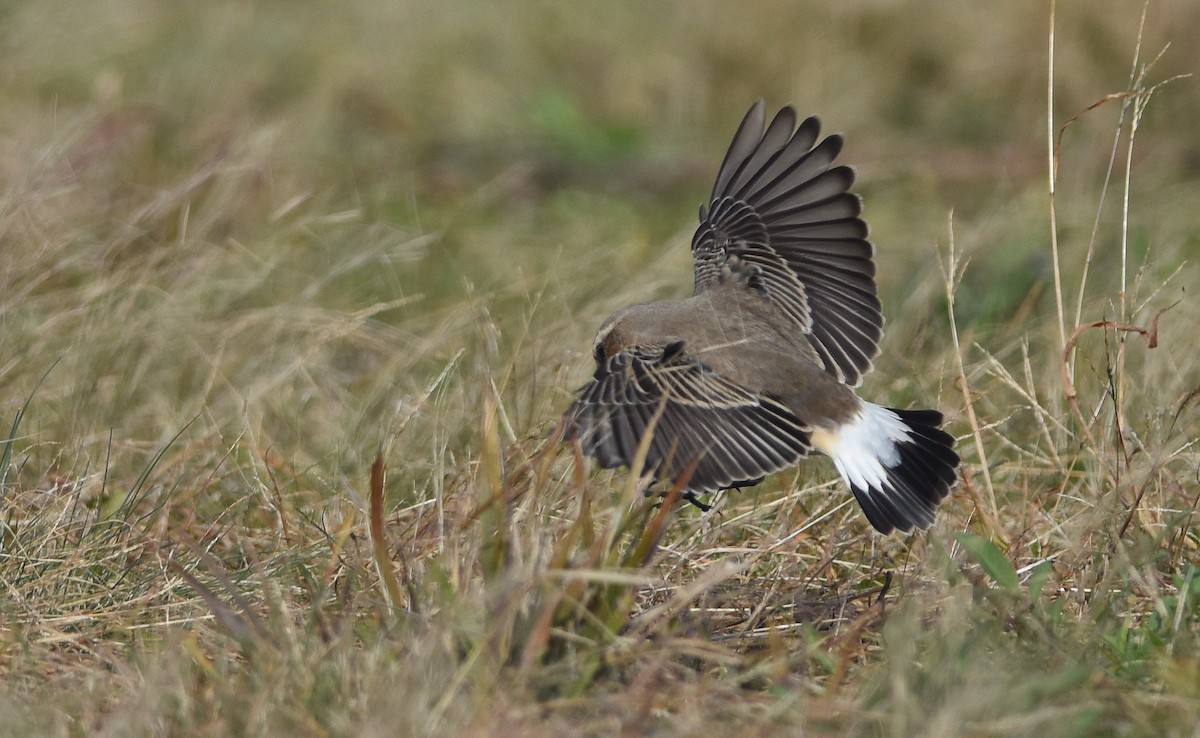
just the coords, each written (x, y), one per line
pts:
(691, 497)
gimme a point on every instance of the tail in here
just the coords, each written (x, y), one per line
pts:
(899, 464)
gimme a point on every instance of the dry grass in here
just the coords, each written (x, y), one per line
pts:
(249, 250)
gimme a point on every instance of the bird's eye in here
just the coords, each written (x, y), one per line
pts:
(672, 351)
(598, 351)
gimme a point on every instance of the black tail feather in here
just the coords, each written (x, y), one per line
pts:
(927, 468)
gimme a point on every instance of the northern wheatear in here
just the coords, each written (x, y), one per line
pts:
(756, 369)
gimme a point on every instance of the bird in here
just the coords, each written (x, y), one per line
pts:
(758, 368)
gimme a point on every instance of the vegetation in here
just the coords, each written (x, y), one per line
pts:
(292, 296)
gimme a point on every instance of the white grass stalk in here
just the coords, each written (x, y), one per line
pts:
(1052, 178)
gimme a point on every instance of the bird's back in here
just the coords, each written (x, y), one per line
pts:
(740, 336)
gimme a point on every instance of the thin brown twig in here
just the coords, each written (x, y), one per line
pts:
(1151, 335)
(383, 562)
(1069, 390)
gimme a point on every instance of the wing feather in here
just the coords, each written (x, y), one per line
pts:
(695, 416)
(780, 205)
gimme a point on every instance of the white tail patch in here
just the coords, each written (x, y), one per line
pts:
(864, 449)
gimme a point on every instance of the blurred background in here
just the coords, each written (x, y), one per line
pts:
(590, 133)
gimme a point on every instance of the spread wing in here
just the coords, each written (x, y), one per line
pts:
(780, 205)
(733, 436)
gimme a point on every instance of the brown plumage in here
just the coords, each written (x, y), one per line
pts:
(756, 369)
